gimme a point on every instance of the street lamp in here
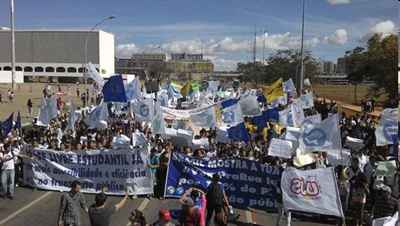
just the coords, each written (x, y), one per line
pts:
(86, 43)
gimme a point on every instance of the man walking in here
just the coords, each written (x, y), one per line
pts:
(70, 204)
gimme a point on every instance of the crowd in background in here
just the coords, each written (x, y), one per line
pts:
(364, 196)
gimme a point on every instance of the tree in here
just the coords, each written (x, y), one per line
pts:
(377, 63)
(355, 67)
(282, 64)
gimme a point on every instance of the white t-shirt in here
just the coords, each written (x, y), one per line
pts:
(9, 164)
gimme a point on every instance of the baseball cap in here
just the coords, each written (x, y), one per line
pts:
(165, 215)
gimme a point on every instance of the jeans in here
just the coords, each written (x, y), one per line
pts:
(8, 175)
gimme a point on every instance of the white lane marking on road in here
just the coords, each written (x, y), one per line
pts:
(25, 208)
(141, 207)
(249, 217)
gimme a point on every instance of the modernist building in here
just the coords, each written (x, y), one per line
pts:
(57, 53)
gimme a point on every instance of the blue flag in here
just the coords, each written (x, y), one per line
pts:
(114, 90)
(7, 125)
(18, 122)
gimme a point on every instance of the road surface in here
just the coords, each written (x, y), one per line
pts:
(40, 208)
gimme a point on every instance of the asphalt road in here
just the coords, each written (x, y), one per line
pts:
(40, 208)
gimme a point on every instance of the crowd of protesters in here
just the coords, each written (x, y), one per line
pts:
(364, 196)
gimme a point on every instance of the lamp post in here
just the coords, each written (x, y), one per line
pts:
(86, 44)
(12, 19)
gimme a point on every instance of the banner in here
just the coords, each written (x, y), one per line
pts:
(247, 183)
(116, 169)
(313, 191)
(313, 119)
(280, 148)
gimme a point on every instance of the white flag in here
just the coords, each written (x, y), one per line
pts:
(297, 113)
(317, 137)
(157, 124)
(313, 191)
(143, 109)
(387, 131)
(205, 118)
(133, 89)
(72, 118)
(250, 106)
(280, 148)
(97, 117)
(307, 100)
(47, 111)
(92, 72)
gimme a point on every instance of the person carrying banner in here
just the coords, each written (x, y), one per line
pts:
(100, 214)
(71, 202)
(217, 202)
(164, 218)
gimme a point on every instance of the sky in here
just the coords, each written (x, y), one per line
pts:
(223, 30)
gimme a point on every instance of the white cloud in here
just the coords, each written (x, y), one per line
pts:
(126, 50)
(339, 2)
(220, 50)
(385, 28)
(340, 37)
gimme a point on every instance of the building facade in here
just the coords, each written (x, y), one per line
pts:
(341, 65)
(58, 54)
(329, 67)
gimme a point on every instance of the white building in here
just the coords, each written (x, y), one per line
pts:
(57, 53)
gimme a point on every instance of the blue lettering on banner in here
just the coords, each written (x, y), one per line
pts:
(315, 138)
(247, 183)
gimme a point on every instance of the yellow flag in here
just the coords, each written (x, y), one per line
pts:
(186, 89)
(274, 91)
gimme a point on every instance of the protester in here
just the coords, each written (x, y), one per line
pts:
(164, 218)
(8, 158)
(29, 105)
(137, 218)
(70, 205)
(100, 214)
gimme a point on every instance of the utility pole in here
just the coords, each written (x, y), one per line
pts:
(255, 45)
(12, 44)
(301, 79)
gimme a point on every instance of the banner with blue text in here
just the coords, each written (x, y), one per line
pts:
(247, 183)
(118, 170)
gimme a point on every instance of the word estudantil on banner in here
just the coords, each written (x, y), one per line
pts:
(118, 170)
(247, 183)
(313, 191)
(281, 148)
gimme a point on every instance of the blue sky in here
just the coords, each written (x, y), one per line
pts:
(222, 29)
